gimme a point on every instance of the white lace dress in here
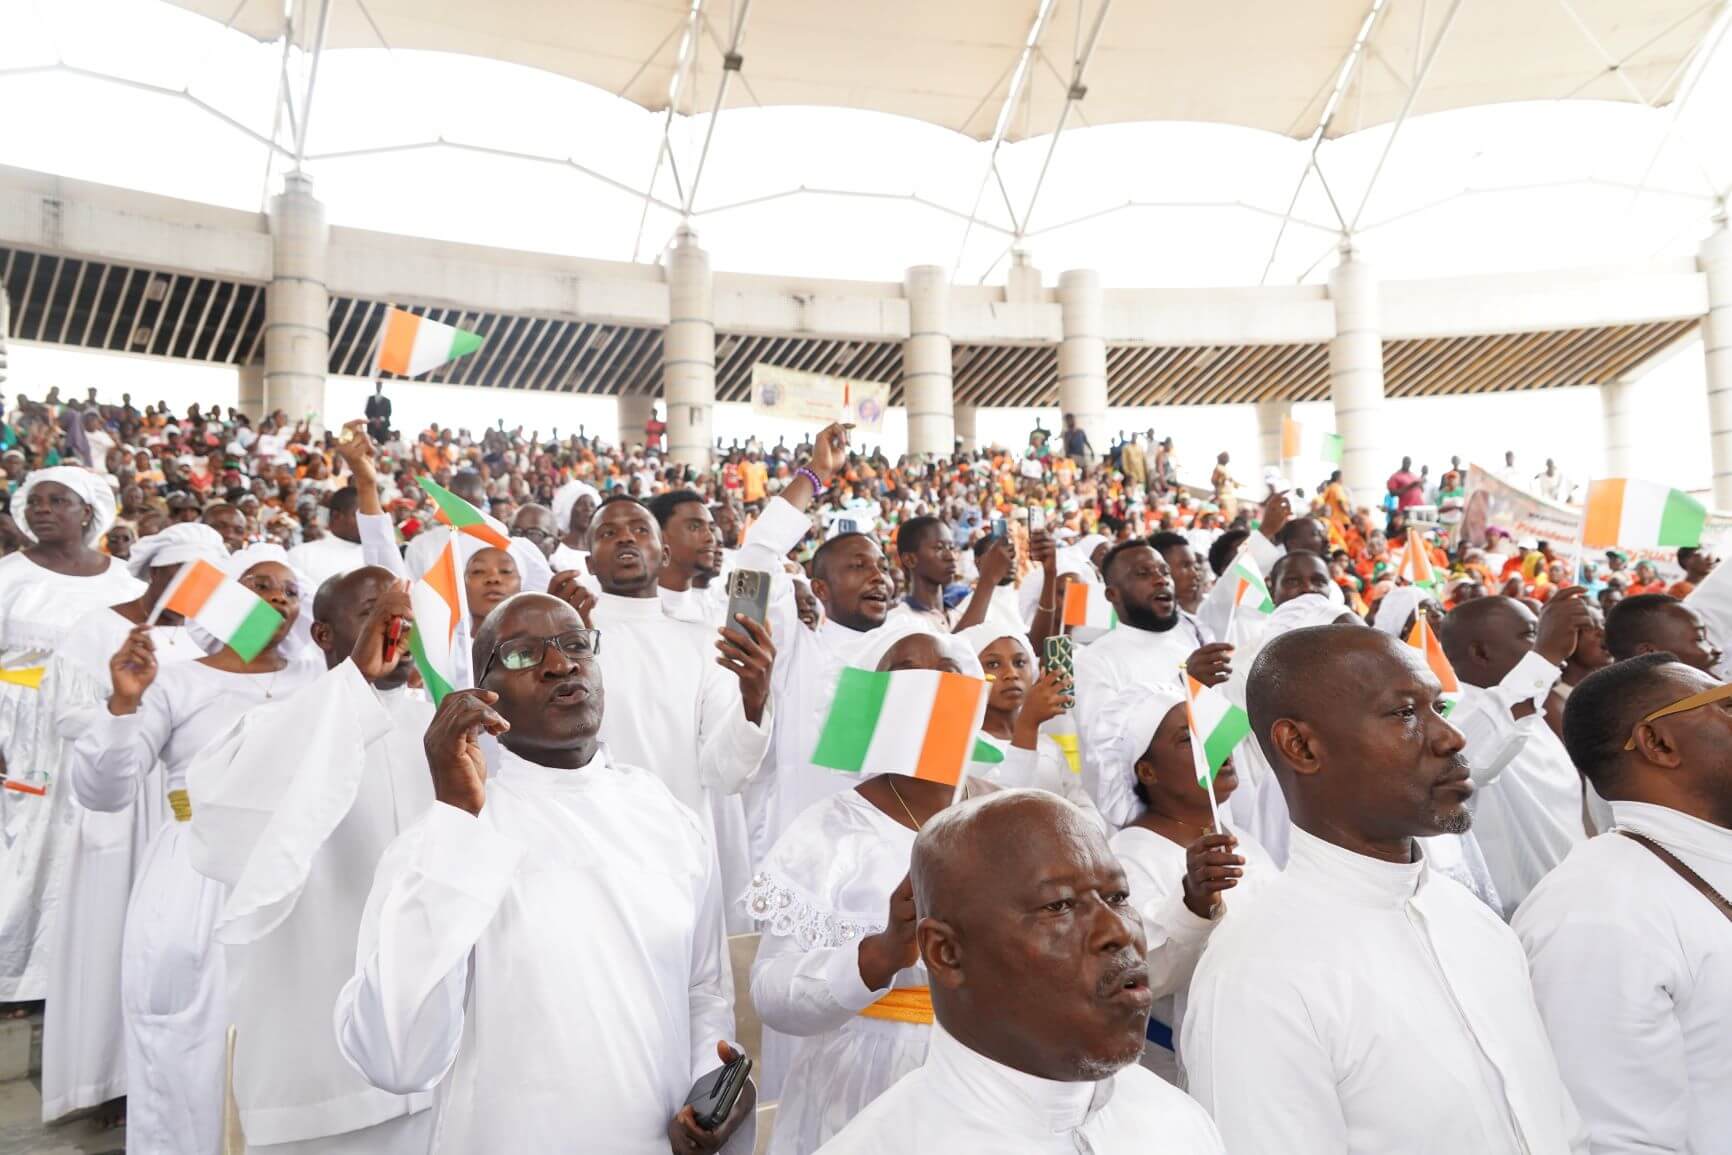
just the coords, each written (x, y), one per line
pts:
(825, 885)
(37, 608)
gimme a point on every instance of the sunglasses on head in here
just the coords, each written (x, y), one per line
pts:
(528, 653)
(1682, 705)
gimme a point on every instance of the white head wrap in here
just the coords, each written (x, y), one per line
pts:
(175, 544)
(565, 500)
(90, 488)
(1128, 724)
(1303, 611)
(298, 645)
(977, 638)
(887, 635)
(534, 574)
(1396, 607)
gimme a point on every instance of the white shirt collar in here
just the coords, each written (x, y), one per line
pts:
(517, 768)
(621, 608)
(1675, 829)
(1346, 874)
(1014, 1099)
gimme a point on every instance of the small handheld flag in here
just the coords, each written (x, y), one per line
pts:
(1216, 726)
(223, 608)
(410, 345)
(439, 604)
(1415, 567)
(463, 517)
(923, 723)
(1424, 639)
(1642, 515)
(1086, 604)
(1251, 592)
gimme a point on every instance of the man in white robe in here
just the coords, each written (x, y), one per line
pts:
(574, 504)
(1365, 1003)
(544, 948)
(1631, 956)
(1527, 807)
(1040, 990)
(689, 583)
(292, 808)
(339, 551)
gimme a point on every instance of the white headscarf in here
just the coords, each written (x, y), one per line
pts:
(977, 638)
(298, 645)
(91, 489)
(1397, 606)
(887, 635)
(1128, 725)
(565, 500)
(534, 574)
(175, 544)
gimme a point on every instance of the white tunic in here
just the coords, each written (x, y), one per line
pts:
(171, 972)
(1043, 768)
(553, 967)
(1155, 866)
(1632, 968)
(37, 608)
(83, 1037)
(325, 558)
(960, 1102)
(1123, 658)
(1527, 802)
(826, 886)
(1363, 1006)
(292, 807)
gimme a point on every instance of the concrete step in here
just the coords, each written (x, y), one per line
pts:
(20, 1047)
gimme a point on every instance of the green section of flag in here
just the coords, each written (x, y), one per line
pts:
(255, 630)
(431, 676)
(985, 752)
(853, 717)
(1333, 446)
(458, 513)
(1233, 728)
(463, 343)
(1681, 520)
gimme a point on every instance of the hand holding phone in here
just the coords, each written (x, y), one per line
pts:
(715, 1105)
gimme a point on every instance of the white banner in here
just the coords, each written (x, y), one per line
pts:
(817, 399)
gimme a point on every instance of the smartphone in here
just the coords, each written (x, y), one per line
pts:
(1000, 528)
(712, 1097)
(748, 594)
(1059, 654)
(1036, 519)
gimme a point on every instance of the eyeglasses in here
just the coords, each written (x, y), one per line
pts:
(1683, 705)
(528, 653)
(533, 533)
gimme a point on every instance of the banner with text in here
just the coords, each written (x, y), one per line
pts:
(817, 399)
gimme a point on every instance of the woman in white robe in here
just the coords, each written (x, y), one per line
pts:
(44, 590)
(823, 900)
(82, 1034)
(171, 969)
(1150, 745)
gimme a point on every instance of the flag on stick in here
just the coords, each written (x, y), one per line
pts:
(1415, 567)
(410, 345)
(463, 517)
(222, 607)
(1641, 515)
(1424, 639)
(439, 605)
(1251, 591)
(1085, 604)
(1216, 726)
(923, 723)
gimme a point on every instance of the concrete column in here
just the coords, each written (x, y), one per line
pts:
(1715, 260)
(926, 372)
(635, 410)
(297, 339)
(1022, 283)
(1082, 357)
(966, 427)
(1271, 418)
(251, 399)
(1356, 377)
(1618, 403)
(689, 353)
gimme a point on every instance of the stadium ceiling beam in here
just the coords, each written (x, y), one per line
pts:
(1413, 89)
(731, 64)
(1018, 80)
(688, 51)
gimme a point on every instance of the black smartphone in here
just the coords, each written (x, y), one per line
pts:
(712, 1097)
(749, 594)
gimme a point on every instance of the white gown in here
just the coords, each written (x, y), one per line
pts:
(171, 971)
(825, 886)
(83, 1034)
(553, 968)
(37, 608)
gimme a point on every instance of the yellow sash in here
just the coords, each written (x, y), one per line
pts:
(181, 804)
(903, 1005)
(30, 678)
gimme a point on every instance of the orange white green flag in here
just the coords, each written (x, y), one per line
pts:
(463, 517)
(1086, 604)
(439, 606)
(410, 345)
(1416, 568)
(1250, 591)
(1424, 639)
(222, 607)
(1641, 515)
(923, 723)
(1216, 726)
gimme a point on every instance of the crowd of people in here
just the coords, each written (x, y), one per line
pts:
(1458, 887)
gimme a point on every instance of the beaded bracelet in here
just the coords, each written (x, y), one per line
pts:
(817, 485)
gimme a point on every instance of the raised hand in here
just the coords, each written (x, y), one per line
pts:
(1047, 699)
(567, 585)
(131, 671)
(893, 948)
(1211, 664)
(1275, 514)
(995, 564)
(1042, 549)
(749, 654)
(1211, 867)
(1561, 624)
(453, 746)
(382, 638)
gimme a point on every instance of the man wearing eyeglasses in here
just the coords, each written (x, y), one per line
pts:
(544, 949)
(1630, 938)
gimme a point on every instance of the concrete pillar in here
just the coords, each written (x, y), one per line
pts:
(1082, 357)
(251, 398)
(926, 372)
(1272, 418)
(1022, 284)
(297, 339)
(966, 428)
(1356, 377)
(1715, 260)
(635, 410)
(689, 354)
(1618, 403)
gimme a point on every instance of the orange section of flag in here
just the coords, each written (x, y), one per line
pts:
(950, 731)
(193, 587)
(442, 579)
(1416, 561)
(1425, 641)
(1291, 432)
(1076, 604)
(398, 341)
(1605, 513)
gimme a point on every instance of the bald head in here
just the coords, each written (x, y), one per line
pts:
(340, 611)
(1484, 638)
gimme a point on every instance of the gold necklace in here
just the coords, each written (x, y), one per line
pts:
(891, 782)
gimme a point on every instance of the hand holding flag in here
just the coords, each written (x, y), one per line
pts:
(439, 605)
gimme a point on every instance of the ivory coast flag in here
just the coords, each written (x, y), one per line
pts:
(1424, 639)
(223, 608)
(1642, 515)
(1085, 604)
(410, 345)
(1216, 727)
(917, 722)
(1415, 567)
(463, 517)
(439, 606)
(1251, 591)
